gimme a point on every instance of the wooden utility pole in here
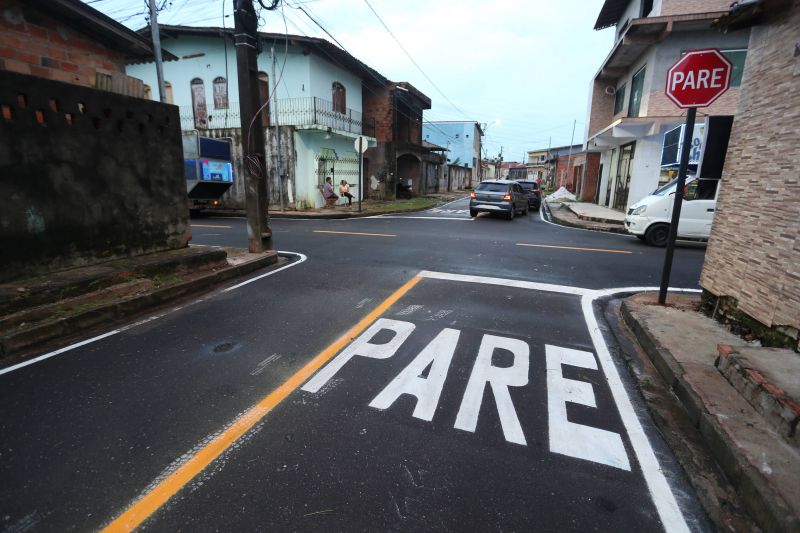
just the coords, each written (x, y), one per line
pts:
(156, 36)
(259, 235)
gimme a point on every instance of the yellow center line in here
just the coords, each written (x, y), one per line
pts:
(575, 248)
(151, 501)
(209, 226)
(355, 233)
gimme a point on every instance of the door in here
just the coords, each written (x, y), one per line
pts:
(697, 210)
(623, 181)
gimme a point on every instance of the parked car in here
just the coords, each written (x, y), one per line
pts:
(650, 217)
(498, 196)
(533, 193)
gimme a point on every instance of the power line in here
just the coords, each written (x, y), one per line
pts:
(412, 60)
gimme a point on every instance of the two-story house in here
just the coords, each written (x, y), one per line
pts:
(313, 94)
(463, 141)
(628, 112)
(537, 165)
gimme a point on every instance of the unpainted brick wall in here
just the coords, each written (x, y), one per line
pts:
(32, 43)
(754, 249)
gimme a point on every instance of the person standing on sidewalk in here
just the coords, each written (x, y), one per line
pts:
(344, 190)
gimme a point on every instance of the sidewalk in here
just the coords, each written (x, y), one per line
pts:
(60, 306)
(368, 208)
(586, 216)
(742, 399)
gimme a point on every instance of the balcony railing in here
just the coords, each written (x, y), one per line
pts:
(299, 112)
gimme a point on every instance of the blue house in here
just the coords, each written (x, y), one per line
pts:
(312, 94)
(463, 141)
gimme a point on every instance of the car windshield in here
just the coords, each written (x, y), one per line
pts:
(528, 185)
(492, 187)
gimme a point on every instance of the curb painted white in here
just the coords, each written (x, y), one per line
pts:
(301, 258)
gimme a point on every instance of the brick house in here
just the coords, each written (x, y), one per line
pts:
(628, 112)
(69, 41)
(751, 273)
(400, 155)
(562, 167)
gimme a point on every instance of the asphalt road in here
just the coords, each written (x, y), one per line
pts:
(414, 372)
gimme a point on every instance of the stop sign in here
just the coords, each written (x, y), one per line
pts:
(698, 78)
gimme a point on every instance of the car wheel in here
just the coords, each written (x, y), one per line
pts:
(657, 235)
(473, 213)
(511, 214)
(527, 210)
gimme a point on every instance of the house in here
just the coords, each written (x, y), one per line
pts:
(91, 175)
(400, 155)
(69, 41)
(511, 170)
(318, 99)
(537, 165)
(628, 112)
(561, 166)
(750, 275)
(463, 141)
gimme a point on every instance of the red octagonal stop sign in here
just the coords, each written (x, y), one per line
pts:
(698, 78)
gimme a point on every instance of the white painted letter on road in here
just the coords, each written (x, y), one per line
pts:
(437, 354)
(499, 379)
(363, 347)
(569, 438)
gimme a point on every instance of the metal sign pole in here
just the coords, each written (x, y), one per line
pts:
(360, 171)
(676, 207)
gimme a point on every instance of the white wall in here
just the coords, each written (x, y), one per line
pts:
(324, 73)
(646, 167)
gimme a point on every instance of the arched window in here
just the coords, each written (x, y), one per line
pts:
(148, 92)
(263, 91)
(199, 108)
(339, 98)
(220, 93)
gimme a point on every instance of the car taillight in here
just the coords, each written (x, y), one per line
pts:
(506, 197)
(473, 195)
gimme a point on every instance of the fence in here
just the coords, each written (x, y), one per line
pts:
(298, 112)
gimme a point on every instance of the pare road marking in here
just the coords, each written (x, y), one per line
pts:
(566, 437)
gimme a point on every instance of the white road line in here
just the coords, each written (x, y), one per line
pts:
(465, 219)
(663, 498)
(547, 287)
(146, 320)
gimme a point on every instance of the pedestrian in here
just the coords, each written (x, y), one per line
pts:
(344, 190)
(328, 194)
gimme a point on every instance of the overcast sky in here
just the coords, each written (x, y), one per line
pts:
(521, 66)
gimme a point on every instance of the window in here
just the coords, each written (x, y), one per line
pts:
(168, 90)
(339, 98)
(199, 108)
(220, 93)
(736, 57)
(637, 85)
(647, 7)
(263, 92)
(619, 99)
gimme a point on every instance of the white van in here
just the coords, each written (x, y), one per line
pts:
(649, 218)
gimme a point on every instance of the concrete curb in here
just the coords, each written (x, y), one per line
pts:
(333, 215)
(594, 219)
(11, 345)
(560, 220)
(760, 498)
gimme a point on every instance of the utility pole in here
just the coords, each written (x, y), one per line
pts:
(569, 154)
(277, 128)
(259, 235)
(156, 35)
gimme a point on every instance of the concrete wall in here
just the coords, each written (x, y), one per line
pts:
(33, 43)
(754, 251)
(86, 176)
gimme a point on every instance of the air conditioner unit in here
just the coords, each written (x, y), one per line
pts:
(610, 91)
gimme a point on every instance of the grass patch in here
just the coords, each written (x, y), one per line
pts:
(159, 280)
(404, 205)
